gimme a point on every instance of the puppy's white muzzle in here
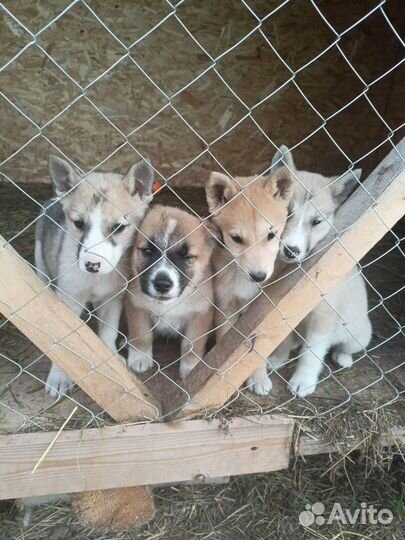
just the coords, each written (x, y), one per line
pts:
(93, 263)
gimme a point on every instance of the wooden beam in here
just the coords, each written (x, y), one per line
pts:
(120, 456)
(311, 446)
(362, 221)
(60, 334)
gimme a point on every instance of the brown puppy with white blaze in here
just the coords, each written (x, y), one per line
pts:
(172, 292)
(251, 214)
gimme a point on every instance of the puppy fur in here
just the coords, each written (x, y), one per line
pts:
(340, 322)
(250, 214)
(81, 241)
(171, 292)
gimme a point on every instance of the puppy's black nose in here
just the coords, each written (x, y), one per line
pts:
(162, 283)
(258, 276)
(291, 252)
(92, 267)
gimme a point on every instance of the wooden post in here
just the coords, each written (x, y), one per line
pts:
(362, 221)
(35, 310)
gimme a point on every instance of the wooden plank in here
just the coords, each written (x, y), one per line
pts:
(119, 456)
(49, 323)
(362, 221)
(310, 446)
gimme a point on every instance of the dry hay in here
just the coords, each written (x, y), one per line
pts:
(172, 59)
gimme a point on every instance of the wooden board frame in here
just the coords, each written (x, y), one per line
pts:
(120, 456)
(164, 454)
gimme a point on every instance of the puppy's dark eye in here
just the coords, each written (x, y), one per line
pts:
(271, 235)
(147, 251)
(79, 224)
(183, 251)
(316, 221)
(236, 238)
(118, 228)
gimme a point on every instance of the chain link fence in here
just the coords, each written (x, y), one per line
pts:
(188, 86)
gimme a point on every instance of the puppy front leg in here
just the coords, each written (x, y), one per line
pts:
(109, 315)
(140, 337)
(68, 290)
(306, 376)
(76, 306)
(279, 357)
(224, 324)
(195, 340)
(226, 316)
(259, 382)
(57, 381)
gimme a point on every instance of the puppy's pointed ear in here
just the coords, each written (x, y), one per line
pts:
(62, 174)
(213, 234)
(139, 179)
(280, 183)
(282, 157)
(344, 187)
(219, 190)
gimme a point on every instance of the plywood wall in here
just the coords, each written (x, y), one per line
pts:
(267, 104)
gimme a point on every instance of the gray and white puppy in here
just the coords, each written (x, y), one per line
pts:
(340, 322)
(81, 239)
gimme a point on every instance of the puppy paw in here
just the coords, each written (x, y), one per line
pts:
(302, 383)
(261, 387)
(57, 382)
(186, 366)
(139, 361)
(343, 360)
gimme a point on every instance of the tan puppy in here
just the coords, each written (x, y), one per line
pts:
(251, 220)
(172, 292)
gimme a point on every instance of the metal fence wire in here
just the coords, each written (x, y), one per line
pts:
(376, 377)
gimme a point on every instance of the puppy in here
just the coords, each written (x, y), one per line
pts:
(171, 292)
(340, 322)
(81, 239)
(251, 220)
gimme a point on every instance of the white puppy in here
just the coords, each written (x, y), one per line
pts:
(340, 322)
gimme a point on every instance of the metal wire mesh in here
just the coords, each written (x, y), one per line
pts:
(375, 378)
